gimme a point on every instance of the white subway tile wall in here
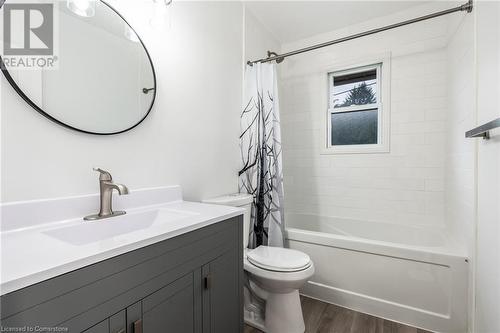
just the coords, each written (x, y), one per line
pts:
(460, 152)
(405, 186)
(460, 182)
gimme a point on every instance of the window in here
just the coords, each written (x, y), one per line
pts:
(356, 122)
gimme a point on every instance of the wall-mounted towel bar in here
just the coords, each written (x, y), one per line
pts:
(483, 131)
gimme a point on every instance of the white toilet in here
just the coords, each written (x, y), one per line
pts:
(275, 275)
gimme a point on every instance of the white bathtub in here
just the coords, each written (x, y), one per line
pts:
(411, 275)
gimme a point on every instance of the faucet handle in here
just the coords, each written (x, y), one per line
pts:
(104, 175)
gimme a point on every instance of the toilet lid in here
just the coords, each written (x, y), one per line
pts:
(278, 259)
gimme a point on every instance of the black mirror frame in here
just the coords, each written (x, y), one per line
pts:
(46, 115)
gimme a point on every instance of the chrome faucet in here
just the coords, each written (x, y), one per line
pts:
(106, 187)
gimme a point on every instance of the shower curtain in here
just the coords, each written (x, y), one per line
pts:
(260, 143)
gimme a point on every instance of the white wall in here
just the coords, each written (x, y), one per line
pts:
(404, 186)
(460, 167)
(190, 138)
(460, 152)
(258, 39)
(487, 316)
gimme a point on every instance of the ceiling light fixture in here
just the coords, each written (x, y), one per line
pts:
(130, 34)
(85, 8)
(161, 15)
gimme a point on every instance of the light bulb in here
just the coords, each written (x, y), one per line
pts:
(130, 34)
(85, 8)
(161, 13)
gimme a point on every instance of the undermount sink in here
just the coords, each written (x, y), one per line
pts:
(81, 233)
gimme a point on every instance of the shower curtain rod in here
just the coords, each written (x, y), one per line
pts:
(271, 56)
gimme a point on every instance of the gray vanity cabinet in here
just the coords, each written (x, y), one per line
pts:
(102, 327)
(114, 324)
(202, 301)
(117, 322)
(220, 307)
(172, 308)
(131, 317)
(188, 284)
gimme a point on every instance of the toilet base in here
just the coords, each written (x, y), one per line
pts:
(255, 320)
(254, 313)
(284, 313)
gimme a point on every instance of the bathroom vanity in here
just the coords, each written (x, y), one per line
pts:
(181, 272)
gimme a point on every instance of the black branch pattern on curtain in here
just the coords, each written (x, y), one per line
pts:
(260, 175)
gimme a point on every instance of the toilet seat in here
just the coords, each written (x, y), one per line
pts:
(278, 259)
(281, 278)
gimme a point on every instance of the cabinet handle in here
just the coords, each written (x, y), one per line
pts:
(138, 326)
(121, 331)
(208, 281)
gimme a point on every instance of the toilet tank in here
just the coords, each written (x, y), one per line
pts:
(242, 200)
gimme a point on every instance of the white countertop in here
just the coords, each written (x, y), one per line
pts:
(39, 251)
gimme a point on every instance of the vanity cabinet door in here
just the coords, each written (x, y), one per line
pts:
(102, 327)
(134, 318)
(117, 323)
(221, 301)
(113, 324)
(172, 308)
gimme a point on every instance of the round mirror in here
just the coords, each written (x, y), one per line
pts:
(102, 79)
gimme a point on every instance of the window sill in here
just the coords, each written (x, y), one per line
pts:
(356, 149)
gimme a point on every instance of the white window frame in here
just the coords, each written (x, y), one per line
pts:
(382, 67)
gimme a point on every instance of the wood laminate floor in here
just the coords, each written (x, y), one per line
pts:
(321, 317)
